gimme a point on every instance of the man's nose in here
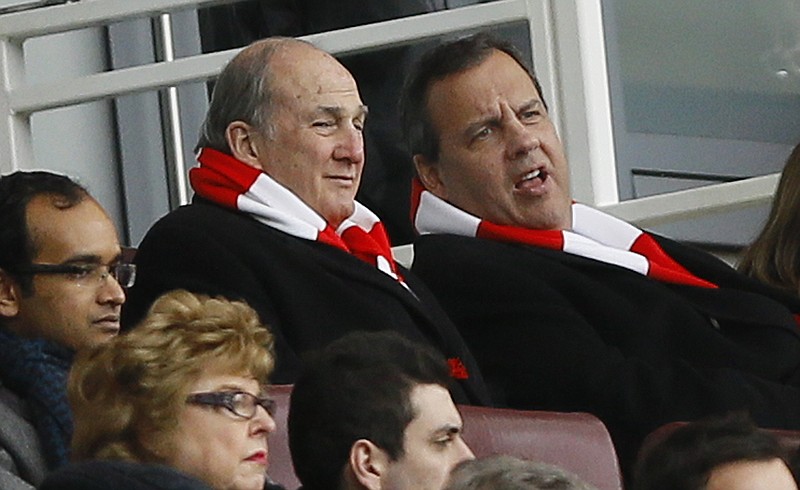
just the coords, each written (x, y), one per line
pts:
(520, 139)
(464, 450)
(110, 291)
(351, 146)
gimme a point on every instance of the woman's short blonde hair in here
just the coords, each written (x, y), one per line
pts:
(126, 395)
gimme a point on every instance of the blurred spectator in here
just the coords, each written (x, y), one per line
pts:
(61, 280)
(510, 473)
(774, 256)
(719, 453)
(187, 388)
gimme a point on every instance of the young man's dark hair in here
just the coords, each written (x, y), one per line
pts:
(16, 191)
(686, 458)
(359, 387)
(420, 133)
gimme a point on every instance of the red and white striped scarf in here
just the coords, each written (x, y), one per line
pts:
(594, 235)
(226, 181)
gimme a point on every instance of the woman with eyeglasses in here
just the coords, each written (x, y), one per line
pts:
(186, 388)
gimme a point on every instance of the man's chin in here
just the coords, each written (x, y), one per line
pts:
(341, 213)
(103, 335)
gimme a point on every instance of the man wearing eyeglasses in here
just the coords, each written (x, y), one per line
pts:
(61, 290)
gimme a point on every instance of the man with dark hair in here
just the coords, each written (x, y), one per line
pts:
(718, 453)
(274, 221)
(373, 411)
(61, 281)
(566, 307)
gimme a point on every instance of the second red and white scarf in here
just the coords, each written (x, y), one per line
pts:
(594, 235)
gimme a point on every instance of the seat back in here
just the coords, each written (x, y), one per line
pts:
(577, 442)
(280, 467)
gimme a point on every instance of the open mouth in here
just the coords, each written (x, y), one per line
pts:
(534, 178)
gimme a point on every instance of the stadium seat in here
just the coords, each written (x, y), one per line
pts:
(577, 442)
(280, 467)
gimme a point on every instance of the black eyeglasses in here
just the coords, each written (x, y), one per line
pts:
(239, 403)
(85, 274)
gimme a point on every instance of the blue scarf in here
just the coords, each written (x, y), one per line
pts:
(36, 370)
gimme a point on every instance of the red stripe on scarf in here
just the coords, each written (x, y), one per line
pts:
(663, 267)
(417, 188)
(221, 178)
(503, 233)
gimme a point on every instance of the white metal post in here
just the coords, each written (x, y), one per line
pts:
(583, 90)
(16, 146)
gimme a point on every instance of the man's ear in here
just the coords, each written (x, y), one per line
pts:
(239, 136)
(428, 172)
(368, 464)
(9, 295)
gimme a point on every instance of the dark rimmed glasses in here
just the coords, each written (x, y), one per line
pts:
(239, 403)
(85, 274)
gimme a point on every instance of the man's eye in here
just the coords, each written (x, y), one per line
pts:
(324, 124)
(528, 115)
(483, 133)
(83, 271)
(444, 441)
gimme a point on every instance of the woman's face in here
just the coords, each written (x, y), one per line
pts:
(212, 443)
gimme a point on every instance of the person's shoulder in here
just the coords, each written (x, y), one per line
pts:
(198, 209)
(191, 222)
(10, 400)
(9, 480)
(21, 458)
(103, 474)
